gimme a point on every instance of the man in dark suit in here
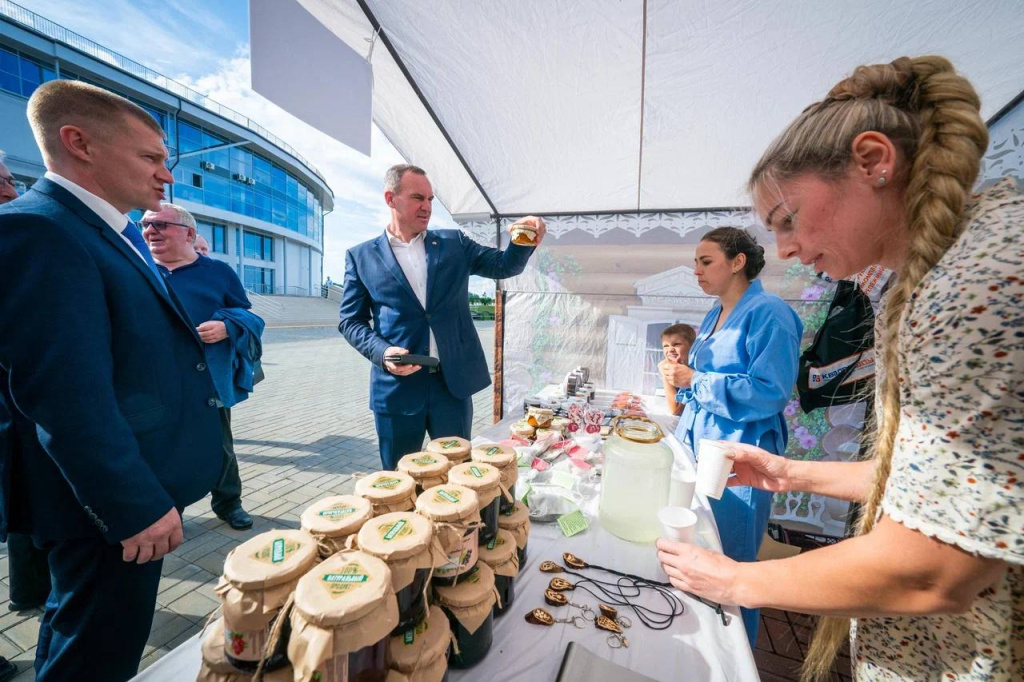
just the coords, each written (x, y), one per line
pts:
(109, 375)
(413, 285)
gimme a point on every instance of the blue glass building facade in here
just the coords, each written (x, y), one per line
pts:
(257, 202)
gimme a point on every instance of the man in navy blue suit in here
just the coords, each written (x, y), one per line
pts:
(108, 417)
(412, 284)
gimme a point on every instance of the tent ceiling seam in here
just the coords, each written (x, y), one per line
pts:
(423, 98)
(643, 84)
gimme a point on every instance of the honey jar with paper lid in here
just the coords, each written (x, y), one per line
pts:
(502, 555)
(259, 576)
(403, 541)
(454, 448)
(485, 481)
(427, 469)
(332, 520)
(455, 511)
(517, 521)
(469, 606)
(344, 610)
(421, 653)
(388, 491)
(507, 462)
(216, 667)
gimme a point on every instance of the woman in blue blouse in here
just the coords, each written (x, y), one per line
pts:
(740, 374)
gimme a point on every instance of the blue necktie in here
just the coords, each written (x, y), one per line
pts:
(135, 237)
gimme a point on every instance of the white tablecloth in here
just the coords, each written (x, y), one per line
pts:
(696, 647)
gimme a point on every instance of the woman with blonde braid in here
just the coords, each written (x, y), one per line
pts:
(881, 171)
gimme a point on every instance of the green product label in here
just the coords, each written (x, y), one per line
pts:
(493, 451)
(395, 529)
(345, 578)
(410, 637)
(490, 545)
(449, 444)
(338, 511)
(277, 553)
(385, 482)
(424, 461)
(447, 496)
(476, 472)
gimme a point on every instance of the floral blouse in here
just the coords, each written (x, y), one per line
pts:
(958, 466)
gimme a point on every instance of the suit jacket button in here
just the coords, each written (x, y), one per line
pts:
(212, 402)
(201, 367)
(428, 316)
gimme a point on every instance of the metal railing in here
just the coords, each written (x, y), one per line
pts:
(50, 29)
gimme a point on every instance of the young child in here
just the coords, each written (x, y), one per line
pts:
(676, 341)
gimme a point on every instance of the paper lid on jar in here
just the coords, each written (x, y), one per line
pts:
(500, 456)
(213, 649)
(499, 550)
(559, 423)
(515, 517)
(383, 487)
(398, 535)
(471, 590)
(417, 647)
(422, 465)
(475, 475)
(344, 588)
(270, 558)
(454, 448)
(448, 503)
(338, 515)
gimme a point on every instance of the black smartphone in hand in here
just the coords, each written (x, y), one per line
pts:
(408, 359)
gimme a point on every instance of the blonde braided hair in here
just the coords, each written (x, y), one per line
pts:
(932, 115)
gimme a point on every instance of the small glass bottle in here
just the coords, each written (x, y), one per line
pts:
(347, 600)
(427, 469)
(470, 610)
(485, 480)
(388, 491)
(402, 541)
(258, 576)
(502, 556)
(421, 652)
(456, 516)
(454, 448)
(333, 519)
(506, 461)
(517, 521)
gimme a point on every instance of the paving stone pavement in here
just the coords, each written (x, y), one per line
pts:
(301, 436)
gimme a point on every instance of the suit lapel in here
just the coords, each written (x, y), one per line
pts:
(432, 245)
(387, 257)
(71, 202)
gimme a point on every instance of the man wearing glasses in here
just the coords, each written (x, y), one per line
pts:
(8, 185)
(213, 296)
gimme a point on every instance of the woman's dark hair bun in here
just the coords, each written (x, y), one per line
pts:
(734, 241)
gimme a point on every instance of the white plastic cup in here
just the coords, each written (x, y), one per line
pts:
(713, 468)
(678, 524)
(680, 493)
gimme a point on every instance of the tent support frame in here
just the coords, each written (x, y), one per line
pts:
(383, 36)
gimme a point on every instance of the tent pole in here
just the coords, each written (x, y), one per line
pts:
(499, 336)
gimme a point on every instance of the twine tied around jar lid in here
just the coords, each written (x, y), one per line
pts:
(259, 575)
(518, 522)
(346, 603)
(387, 491)
(470, 600)
(482, 478)
(422, 646)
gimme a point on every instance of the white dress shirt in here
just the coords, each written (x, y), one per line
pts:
(101, 207)
(412, 258)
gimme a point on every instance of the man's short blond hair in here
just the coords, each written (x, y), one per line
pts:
(62, 102)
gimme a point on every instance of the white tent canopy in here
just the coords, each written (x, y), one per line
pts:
(584, 106)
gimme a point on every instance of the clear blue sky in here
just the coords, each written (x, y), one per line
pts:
(205, 43)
